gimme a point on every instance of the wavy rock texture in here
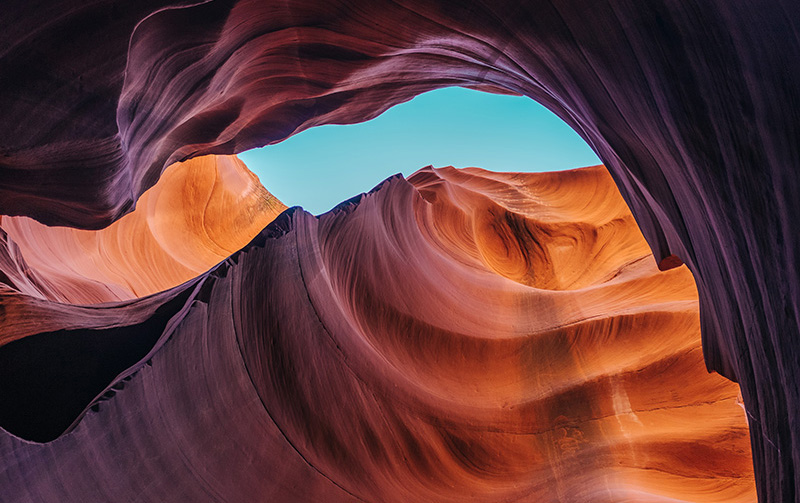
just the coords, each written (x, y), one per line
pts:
(200, 212)
(465, 335)
(691, 105)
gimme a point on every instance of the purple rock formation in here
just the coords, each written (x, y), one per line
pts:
(692, 105)
(396, 349)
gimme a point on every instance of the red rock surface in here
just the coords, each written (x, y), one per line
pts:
(691, 105)
(200, 212)
(465, 336)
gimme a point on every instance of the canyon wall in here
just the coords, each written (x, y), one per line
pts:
(200, 212)
(691, 105)
(463, 335)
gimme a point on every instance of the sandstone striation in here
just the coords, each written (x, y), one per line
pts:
(200, 212)
(463, 335)
(691, 105)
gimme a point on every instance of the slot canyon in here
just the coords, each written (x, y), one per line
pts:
(171, 331)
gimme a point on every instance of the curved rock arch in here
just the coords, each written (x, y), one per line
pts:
(692, 106)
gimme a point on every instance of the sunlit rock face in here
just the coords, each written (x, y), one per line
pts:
(200, 212)
(460, 336)
(691, 105)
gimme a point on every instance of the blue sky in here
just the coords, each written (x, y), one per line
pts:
(325, 165)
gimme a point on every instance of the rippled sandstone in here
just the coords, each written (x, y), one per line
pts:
(200, 212)
(463, 335)
(690, 105)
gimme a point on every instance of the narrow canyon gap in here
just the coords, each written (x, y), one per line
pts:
(692, 106)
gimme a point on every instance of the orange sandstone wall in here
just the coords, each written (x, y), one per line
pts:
(692, 106)
(199, 212)
(460, 336)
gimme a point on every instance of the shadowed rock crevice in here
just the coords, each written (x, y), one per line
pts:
(50, 379)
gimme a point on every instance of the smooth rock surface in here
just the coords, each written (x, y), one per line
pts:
(692, 106)
(461, 336)
(199, 212)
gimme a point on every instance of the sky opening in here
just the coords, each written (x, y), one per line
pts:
(323, 166)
